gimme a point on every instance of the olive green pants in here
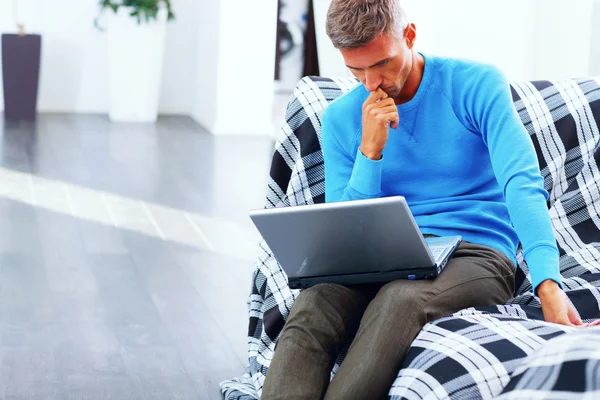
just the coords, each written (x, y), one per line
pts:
(384, 318)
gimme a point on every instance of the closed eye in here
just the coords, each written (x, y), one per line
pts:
(376, 65)
(381, 63)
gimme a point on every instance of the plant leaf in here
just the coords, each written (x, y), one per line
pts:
(141, 9)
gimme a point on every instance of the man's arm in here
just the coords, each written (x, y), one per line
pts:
(516, 167)
(357, 176)
(491, 111)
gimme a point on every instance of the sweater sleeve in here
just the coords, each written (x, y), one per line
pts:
(347, 176)
(489, 109)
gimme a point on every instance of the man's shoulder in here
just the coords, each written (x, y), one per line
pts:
(456, 76)
(348, 103)
(462, 66)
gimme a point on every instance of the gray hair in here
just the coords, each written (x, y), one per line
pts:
(356, 23)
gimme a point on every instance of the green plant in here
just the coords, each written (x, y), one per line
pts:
(143, 10)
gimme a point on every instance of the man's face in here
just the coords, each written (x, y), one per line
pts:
(385, 62)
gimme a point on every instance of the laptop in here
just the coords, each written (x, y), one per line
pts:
(352, 242)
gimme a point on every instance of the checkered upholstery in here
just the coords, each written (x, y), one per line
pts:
(480, 352)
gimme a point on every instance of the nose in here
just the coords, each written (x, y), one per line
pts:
(372, 80)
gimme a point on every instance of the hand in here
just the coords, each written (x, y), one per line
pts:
(557, 307)
(378, 112)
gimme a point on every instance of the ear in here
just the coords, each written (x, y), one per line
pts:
(410, 34)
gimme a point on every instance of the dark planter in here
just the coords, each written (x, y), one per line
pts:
(20, 73)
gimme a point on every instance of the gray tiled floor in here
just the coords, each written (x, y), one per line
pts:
(125, 257)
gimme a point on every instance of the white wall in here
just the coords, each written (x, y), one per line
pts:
(498, 32)
(595, 43)
(331, 62)
(564, 38)
(210, 53)
(74, 69)
(207, 72)
(527, 39)
(180, 68)
(236, 63)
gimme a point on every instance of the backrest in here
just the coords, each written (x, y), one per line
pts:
(297, 174)
(562, 118)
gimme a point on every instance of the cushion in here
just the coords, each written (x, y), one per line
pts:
(566, 367)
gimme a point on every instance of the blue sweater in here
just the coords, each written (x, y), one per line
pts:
(461, 157)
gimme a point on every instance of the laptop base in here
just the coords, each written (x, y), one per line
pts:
(364, 278)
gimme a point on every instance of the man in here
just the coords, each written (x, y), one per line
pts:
(443, 133)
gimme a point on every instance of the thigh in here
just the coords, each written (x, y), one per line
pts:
(475, 276)
(330, 306)
(310, 340)
(472, 262)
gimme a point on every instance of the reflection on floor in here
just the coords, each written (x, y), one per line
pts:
(125, 257)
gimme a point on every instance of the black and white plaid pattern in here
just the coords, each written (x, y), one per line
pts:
(567, 367)
(473, 353)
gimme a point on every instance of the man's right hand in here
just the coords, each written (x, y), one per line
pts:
(378, 113)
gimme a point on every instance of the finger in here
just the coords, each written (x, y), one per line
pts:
(595, 323)
(575, 320)
(389, 102)
(391, 118)
(395, 121)
(390, 107)
(572, 313)
(376, 96)
(380, 104)
(564, 322)
(381, 93)
(377, 111)
(386, 109)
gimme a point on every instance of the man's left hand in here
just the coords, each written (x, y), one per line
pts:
(557, 307)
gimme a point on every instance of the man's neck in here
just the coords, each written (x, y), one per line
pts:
(413, 80)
